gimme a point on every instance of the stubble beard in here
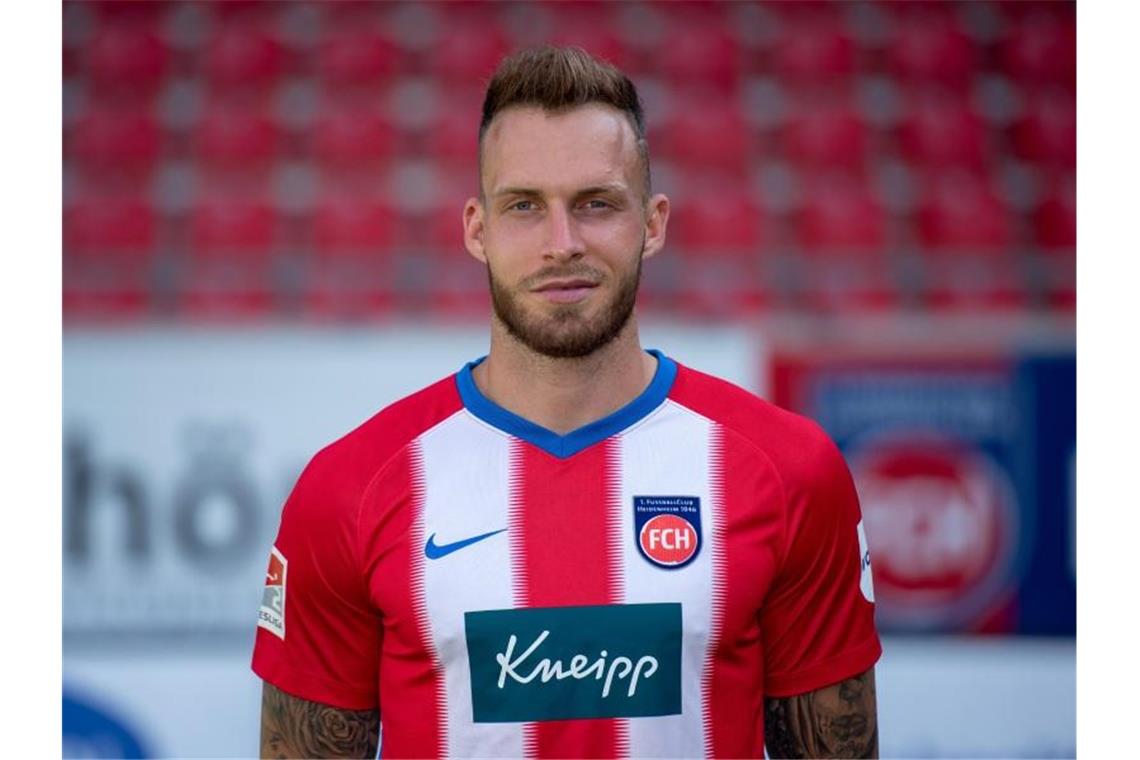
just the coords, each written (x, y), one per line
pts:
(564, 332)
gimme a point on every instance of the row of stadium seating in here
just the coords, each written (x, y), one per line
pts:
(258, 159)
(959, 212)
(932, 130)
(250, 45)
(448, 284)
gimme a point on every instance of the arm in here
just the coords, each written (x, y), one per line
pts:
(295, 727)
(840, 720)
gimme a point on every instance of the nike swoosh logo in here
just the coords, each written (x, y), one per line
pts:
(432, 550)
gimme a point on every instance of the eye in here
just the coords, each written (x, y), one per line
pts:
(598, 203)
(523, 205)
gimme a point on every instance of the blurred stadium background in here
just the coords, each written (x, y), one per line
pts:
(874, 224)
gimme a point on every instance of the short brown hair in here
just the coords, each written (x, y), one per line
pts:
(558, 79)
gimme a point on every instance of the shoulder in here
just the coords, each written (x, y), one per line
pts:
(797, 446)
(341, 471)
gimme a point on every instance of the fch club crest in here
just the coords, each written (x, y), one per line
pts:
(668, 529)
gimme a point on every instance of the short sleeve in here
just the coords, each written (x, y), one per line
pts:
(817, 621)
(318, 636)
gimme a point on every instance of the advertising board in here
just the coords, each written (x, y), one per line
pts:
(964, 470)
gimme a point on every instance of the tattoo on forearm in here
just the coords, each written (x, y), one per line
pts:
(292, 727)
(837, 721)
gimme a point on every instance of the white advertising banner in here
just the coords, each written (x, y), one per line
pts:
(180, 446)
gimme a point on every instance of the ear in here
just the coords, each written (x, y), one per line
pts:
(473, 229)
(655, 223)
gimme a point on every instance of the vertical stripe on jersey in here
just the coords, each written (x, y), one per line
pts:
(561, 515)
(734, 706)
(713, 698)
(433, 730)
(616, 557)
(669, 454)
(518, 559)
(464, 497)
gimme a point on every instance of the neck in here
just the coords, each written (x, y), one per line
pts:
(562, 395)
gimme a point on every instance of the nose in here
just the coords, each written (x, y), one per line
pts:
(563, 241)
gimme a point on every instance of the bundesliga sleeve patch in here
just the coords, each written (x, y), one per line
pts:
(271, 616)
(866, 583)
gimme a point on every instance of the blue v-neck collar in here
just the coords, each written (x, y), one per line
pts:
(568, 445)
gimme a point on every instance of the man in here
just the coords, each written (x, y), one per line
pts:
(572, 547)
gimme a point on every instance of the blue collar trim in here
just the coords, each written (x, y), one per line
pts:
(563, 446)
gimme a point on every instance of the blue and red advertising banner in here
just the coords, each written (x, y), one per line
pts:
(965, 468)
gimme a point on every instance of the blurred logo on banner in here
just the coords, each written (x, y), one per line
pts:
(956, 461)
(165, 539)
(92, 730)
(943, 518)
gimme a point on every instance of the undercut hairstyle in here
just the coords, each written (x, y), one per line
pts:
(558, 79)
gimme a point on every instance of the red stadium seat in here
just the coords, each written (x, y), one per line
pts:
(719, 288)
(133, 14)
(353, 138)
(972, 284)
(591, 26)
(728, 224)
(961, 212)
(453, 139)
(941, 131)
(226, 294)
(925, 50)
(350, 16)
(353, 271)
(457, 287)
(111, 147)
(354, 229)
(243, 59)
(1055, 233)
(124, 138)
(466, 54)
(712, 135)
(126, 62)
(230, 137)
(230, 13)
(841, 235)
(440, 228)
(828, 133)
(841, 216)
(1055, 220)
(109, 228)
(838, 283)
(357, 58)
(1047, 132)
(233, 229)
(108, 259)
(1041, 49)
(454, 284)
(230, 272)
(705, 56)
(102, 297)
(343, 296)
(813, 47)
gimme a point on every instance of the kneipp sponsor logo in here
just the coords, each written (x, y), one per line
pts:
(558, 663)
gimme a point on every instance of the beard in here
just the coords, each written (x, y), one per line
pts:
(565, 332)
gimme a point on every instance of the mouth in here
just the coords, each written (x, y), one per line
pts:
(566, 291)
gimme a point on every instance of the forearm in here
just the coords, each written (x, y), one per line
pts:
(292, 727)
(836, 721)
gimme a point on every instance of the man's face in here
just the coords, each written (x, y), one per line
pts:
(563, 226)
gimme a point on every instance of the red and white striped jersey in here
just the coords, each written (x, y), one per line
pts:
(634, 588)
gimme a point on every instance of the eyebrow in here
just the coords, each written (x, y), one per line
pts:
(609, 187)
